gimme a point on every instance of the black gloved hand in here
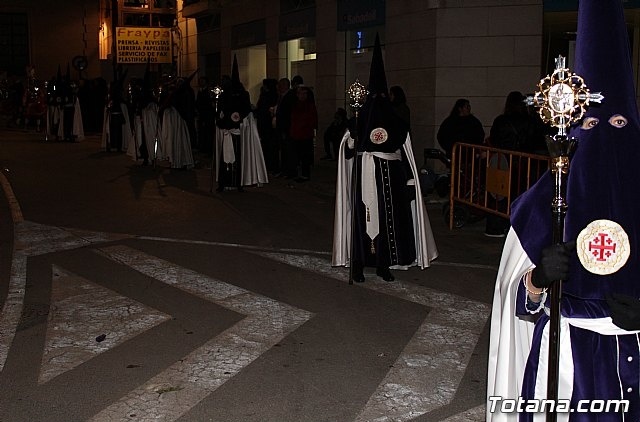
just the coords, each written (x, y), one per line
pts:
(353, 128)
(625, 311)
(554, 264)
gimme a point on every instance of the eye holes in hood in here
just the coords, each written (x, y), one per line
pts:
(617, 120)
(589, 123)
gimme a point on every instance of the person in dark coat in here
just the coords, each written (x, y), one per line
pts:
(334, 132)
(265, 112)
(460, 126)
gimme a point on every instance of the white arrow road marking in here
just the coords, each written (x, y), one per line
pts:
(176, 390)
(31, 239)
(428, 372)
(408, 390)
(79, 312)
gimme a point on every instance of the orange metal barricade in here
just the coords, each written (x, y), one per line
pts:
(488, 179)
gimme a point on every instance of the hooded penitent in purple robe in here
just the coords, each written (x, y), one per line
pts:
(598, 360)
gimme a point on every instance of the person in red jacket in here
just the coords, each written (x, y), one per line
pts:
(302, 132)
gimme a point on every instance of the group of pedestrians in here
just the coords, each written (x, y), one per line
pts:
(290, 122)
(517, 128)
(170, 121)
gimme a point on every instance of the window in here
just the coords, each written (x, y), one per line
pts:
(149, 13)
(136, 19)
(139, 4)
(362, 39)
(14, 43)
(208, 22)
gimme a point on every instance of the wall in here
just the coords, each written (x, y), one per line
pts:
(439, 51)
(484, 51)
(59, 31)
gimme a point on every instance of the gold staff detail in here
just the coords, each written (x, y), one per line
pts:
(563, 98)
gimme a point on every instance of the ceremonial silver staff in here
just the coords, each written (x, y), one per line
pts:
(156, 137)
(562, 99)
(46, 115)
(216, 91)
(357, 96)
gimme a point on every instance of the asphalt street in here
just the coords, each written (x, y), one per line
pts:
(135, 293)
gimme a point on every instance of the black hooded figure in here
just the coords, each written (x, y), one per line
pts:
(141, 95)
(391, 227)
(184, 100)
(235, 106)
(54, 104)
(116, 117)
(68, 106)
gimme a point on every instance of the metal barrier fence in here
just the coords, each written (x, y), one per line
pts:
(487, 180)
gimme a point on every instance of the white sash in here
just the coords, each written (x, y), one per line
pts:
(369, 187)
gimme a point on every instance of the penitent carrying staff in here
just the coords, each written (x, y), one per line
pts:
(595, 254)
(380, 218)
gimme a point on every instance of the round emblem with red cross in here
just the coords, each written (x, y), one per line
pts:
(603, 247)
(235, 116)
(379, 135)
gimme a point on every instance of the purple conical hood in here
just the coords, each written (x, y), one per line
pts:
(604, 170)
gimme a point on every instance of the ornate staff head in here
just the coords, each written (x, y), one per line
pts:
(563, 98)
(357, 95)
(216, 91)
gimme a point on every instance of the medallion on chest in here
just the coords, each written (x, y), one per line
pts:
(603, 247)
(379, 135)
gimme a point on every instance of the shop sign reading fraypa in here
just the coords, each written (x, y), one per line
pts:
(137, 45)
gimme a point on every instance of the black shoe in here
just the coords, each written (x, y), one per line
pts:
(385, 273)
(219, 188)
(301, 179)
(358, 273)
(240, 189)
(358, 277)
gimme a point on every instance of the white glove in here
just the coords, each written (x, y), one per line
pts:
(351, 143)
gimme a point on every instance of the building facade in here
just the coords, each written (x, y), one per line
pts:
(436, 50)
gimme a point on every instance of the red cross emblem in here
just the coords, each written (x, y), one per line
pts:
(378, 135)
(602, 247)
